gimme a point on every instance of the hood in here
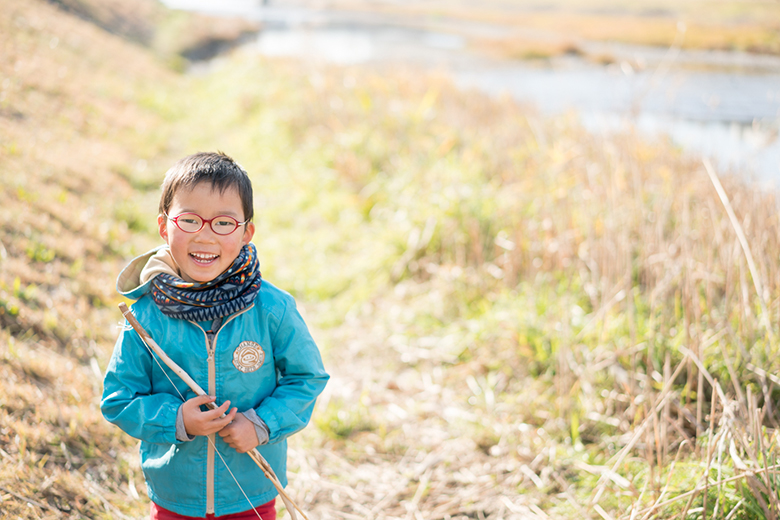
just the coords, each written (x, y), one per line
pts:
(133, 281)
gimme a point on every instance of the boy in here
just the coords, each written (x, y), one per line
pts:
(202, 299)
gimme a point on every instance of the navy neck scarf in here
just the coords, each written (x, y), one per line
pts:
(233, 290)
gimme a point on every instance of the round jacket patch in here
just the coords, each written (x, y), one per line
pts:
(248, 356)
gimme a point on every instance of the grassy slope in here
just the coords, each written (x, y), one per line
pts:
(77, 122)
(499, 297)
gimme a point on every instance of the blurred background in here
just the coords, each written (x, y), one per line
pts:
(537, 243)
(712, 89)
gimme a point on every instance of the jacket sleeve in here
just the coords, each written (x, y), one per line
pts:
(129, 399)
(301, 377)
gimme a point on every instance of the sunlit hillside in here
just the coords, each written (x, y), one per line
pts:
(83, 136)
(78, 123)
(522, 319)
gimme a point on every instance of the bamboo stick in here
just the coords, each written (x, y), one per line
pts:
(256, 456)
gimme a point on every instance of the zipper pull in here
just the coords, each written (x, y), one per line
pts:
(210, 344)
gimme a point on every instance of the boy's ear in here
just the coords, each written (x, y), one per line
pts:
(162, 227)
(249, 232)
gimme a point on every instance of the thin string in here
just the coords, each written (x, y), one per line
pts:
(213, 444)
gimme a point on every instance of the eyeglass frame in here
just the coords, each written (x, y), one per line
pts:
(204, 221)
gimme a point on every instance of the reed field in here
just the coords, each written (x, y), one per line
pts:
(522, 319)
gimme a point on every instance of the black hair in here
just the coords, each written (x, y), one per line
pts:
(216, 168)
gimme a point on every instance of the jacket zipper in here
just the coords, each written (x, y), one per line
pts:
(211, 344)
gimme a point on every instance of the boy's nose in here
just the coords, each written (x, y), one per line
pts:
(206, 233)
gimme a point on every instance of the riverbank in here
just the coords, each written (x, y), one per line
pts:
(557, 27)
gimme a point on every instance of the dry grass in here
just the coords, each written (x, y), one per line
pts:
(75, 111)
(57, 449)
(199, 37)
(523, 320)
(751, 36)
(83, 118)
(528, 48)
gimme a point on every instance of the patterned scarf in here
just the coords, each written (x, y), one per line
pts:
(231, 291)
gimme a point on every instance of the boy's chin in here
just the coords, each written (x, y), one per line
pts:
(200, 274)
(187, 277)
(200, 277)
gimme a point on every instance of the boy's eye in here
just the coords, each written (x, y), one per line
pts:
(189, 221)
(226, 223)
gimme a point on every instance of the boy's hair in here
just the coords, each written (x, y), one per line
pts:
(218, 169)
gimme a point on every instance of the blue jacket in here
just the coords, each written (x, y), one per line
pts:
(189, 478)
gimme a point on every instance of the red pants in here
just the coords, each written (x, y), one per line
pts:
(267, 512)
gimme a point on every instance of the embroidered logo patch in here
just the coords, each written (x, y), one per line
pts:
(248, 356)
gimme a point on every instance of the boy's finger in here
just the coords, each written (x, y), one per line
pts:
(221, 408)
(200, 400)
(225, 421)
(217, 413)
(229, 417)
(224, 407)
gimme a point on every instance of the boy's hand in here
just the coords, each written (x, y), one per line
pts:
(198, 422)
(240, 434)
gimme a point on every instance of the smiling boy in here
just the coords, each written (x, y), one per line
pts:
(202, 298)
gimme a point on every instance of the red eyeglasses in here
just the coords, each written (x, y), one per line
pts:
(192, 223)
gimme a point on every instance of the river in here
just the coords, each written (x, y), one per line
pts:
(721, 105)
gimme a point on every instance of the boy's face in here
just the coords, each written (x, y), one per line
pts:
(204, 255)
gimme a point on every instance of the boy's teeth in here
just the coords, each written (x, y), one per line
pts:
(203, 257)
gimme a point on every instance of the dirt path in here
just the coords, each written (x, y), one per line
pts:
(405, 441)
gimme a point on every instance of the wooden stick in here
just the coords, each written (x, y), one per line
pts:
(256, 456)
(149, 341)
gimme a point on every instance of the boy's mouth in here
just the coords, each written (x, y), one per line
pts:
(202, 258)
